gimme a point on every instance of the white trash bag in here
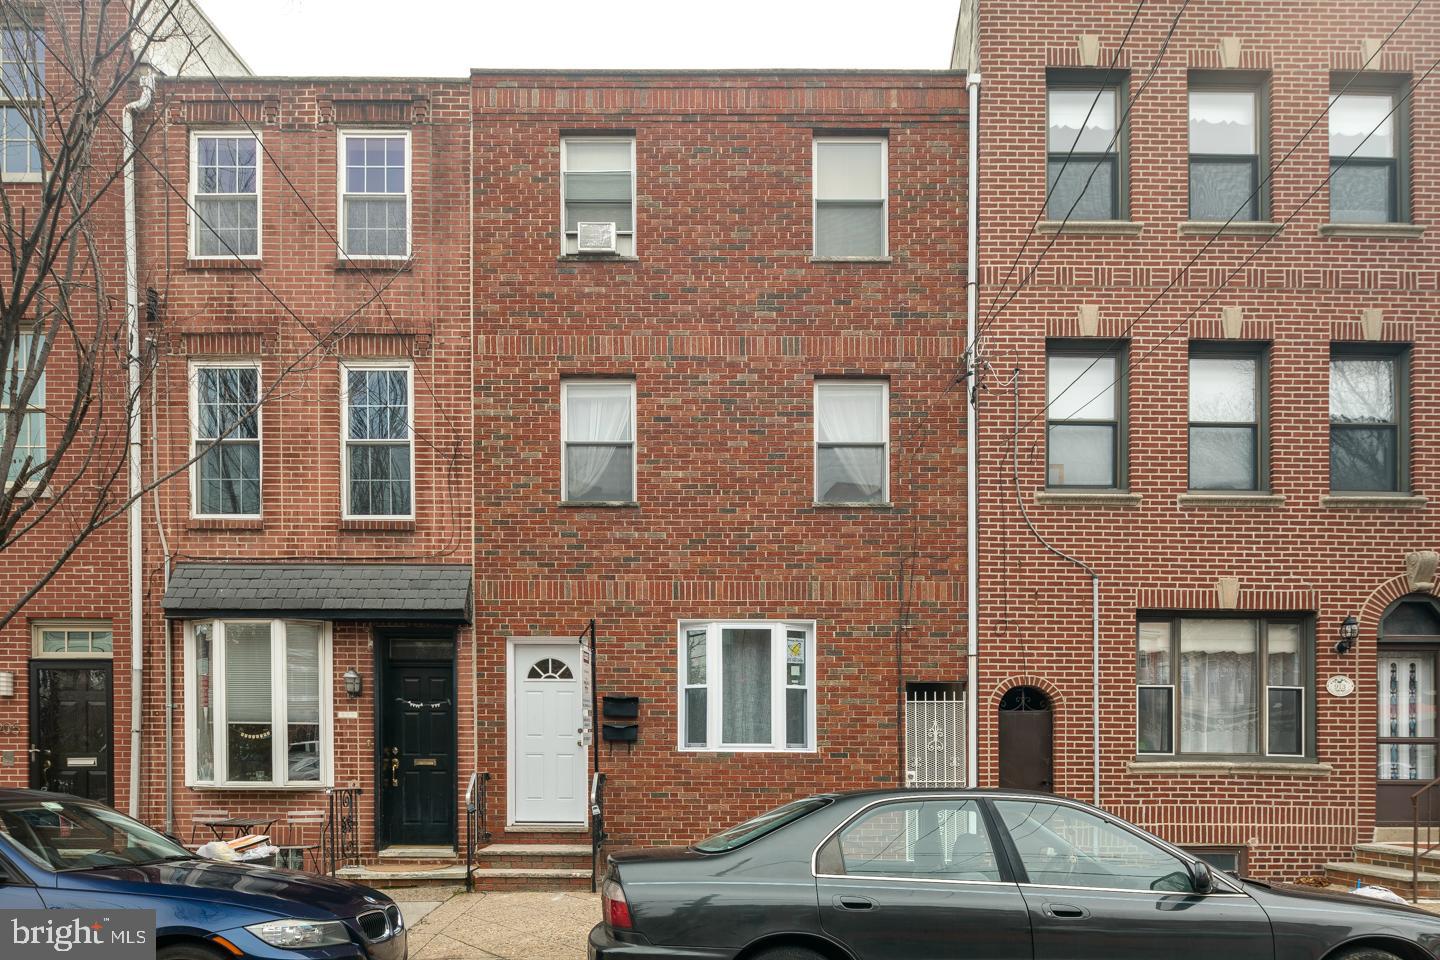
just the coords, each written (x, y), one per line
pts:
(1379, 893)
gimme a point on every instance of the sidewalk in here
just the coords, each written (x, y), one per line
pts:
(450, 925)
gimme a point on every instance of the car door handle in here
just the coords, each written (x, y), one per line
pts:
(1065, 911)
(854, 903)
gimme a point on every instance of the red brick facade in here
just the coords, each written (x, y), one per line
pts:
(1160, 549)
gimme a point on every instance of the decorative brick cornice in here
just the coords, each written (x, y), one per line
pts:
(1206, 598)
(198, 111)
(386, 344)
(223, 343)
(705, 345)
(1213, 328)
(1391, 331)
(1094, 276)
(718, 591)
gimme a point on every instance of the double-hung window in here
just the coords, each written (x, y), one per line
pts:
(852, 441)
(22, 115)
(1227, 436)
(598, 431)
(26, 414)
(747, 686)
(225, 448)
(1224, 686)
(851, 197)
(1084, 169)
(375, 195)
(379, 439)
(224, 196)
(1368, 420)
(257, 703)
(597, 182)
(1085, 397)
(1224, 154)
(1367, 156)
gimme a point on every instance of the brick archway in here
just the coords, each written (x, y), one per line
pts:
(1025, 680)
(1372, 611)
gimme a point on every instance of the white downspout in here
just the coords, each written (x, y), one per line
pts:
(132, 345)
(972, 442)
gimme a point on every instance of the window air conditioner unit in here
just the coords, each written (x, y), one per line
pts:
(596, 237)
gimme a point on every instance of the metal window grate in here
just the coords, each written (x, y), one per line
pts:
(934, 738)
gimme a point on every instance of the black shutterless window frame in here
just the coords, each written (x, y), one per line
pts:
(1394, 85)
(1094, 350)
(1399, 356)
(1118, 157)
(1222, 350)
(1236, 81)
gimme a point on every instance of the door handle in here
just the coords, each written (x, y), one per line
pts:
(1065, 911)
(394, 766)
(854, 903)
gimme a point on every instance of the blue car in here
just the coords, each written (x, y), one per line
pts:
(61, 852)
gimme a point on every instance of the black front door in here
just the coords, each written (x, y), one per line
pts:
(70, 728)
(1026, 740)
(417, 775)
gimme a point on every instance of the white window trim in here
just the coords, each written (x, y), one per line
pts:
(38, 627)
(341, 193)
(884, 143)
(1304, 724)
(36, 103)
(634, 231)
(821, 382)
(565, 385)
(714, 677)
(345, 367)
(194, 471)
(279, 719)
(192, 221)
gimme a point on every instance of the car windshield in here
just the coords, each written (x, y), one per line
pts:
(62, 834)
(756, 827)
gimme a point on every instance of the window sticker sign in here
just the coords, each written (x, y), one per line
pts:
(77, 934)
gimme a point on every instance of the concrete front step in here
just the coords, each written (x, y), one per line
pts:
(1395, 878)
(504, 878)
(532, 856)
(1397, 855)
(437, 854)
(405, 874)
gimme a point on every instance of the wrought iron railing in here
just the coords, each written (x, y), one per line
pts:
(340, 844)
(598, 836)
(1431, 840)
(475, 832)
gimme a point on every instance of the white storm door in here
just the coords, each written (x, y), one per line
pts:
(549, 758)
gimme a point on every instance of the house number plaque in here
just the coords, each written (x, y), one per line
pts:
(1340, 686)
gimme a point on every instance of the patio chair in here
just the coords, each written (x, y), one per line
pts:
(204, 818)
(301, 833)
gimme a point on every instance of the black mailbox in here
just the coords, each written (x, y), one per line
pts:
(620, 708)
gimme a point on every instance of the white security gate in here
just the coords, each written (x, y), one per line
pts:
(934, 738)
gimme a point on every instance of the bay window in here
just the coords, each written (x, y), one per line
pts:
(257, 703)
(1230, 687)
(747, 686)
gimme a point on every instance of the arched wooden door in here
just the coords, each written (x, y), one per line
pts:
(1027, 740)
(1407, 739)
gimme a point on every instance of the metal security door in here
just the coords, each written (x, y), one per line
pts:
(546, 746)
(70, 727)
(934, 736)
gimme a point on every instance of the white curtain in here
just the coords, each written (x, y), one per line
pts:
(850, 413)
(1219, 661)
(595, 413)
(746, 687)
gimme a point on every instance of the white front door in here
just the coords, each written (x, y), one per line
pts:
(545, 741)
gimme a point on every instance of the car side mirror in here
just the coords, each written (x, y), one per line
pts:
(1201, 879)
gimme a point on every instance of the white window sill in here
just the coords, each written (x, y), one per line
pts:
(1088, 498)
(1383, 231)
(852, 260)
(800, 751)
(1250, 499)
(1295, 768)
(1237, 228)
(28, 491)
(853, 505)
(605, 504)
(22, 178)
(1099, 228)
(597, 258)
(261, 787)
(1395, 501)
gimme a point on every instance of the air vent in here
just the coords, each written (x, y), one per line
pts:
(595, 237)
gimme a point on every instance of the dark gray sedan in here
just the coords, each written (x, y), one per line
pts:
(980, 875)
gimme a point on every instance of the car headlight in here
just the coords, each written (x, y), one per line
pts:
(301, 934)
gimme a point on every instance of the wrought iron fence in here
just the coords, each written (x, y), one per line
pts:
(341, 842)
(476, 797)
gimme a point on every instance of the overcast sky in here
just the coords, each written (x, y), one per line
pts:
(448, 37)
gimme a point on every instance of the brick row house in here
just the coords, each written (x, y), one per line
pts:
(1210, 387)
(453, 374)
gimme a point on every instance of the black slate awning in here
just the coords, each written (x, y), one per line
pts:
(321, 591)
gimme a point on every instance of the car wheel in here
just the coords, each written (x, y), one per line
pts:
(789, 953)
(187, 951)
(1366, 953)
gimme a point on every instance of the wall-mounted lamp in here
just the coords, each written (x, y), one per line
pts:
(7, 684)
(1349, 633)
(352, 682)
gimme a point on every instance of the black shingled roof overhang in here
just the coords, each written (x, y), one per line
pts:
(321, 591)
